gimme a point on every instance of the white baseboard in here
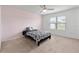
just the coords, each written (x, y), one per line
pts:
(68, 36)
(12, 38)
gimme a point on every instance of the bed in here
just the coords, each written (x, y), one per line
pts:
(36, 35)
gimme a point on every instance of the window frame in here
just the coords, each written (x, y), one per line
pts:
(56, 24)
(53, 23)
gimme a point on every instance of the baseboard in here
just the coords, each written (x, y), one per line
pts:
(13, 38)
(20, 36)
(66, 36)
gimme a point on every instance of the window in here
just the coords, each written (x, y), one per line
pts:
(52, 26)
(58, 23)
(61, 27)
(53, 23)
(61, 23)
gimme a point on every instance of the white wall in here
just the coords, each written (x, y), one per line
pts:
(72, 25)
(0, 26)
(15, 20)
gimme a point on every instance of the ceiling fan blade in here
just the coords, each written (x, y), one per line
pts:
(41, 6)
(45, 9)
(50, 9)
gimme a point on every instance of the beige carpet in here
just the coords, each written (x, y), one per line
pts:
(54, 45)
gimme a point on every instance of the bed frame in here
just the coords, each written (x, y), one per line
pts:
(38, 42)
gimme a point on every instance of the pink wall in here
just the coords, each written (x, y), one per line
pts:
(15, 20)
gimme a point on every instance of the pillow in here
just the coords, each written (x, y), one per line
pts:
(31, 28)
(27, 28)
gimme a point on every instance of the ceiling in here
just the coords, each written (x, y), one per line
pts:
(37, 8)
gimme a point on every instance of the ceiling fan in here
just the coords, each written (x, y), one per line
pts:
(44, 8)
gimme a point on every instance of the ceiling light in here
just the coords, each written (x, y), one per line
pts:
(44, 10)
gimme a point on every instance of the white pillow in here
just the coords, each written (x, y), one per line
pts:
(31, 28)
